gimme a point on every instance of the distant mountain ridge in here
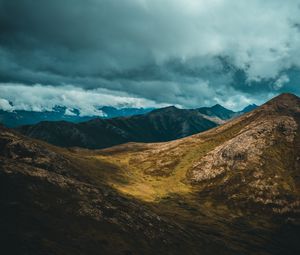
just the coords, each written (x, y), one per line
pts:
(58, 113)
(159, 125)
(17, 118)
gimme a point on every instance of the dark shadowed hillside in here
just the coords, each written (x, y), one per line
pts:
(157, 126)
(49, 205)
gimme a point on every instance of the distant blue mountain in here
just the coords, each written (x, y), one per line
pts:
(249, 108)
(21, 117)
(112, 112)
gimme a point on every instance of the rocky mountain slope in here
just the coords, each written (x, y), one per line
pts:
(250, 164)
(252, 158)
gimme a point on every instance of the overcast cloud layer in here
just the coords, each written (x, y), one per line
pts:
(145, 52)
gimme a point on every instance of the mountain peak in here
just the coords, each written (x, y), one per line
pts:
(218, 106)
(286, 97)
(249, 108)
(166, 109)
(217, 111)
(285, 101)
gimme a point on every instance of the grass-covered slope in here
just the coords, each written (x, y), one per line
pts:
(252, 151)
(248, 166)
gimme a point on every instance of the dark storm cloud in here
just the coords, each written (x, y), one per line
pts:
(189, 52)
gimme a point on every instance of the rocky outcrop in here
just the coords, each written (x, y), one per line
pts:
(259, 164)
(245, 150)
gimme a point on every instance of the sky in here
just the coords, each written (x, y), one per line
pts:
(147, 53)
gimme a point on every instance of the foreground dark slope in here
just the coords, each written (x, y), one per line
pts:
(57, 201)
(53, 204)
(159, 125)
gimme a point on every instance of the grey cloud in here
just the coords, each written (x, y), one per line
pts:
(45, 98)
(189, 52)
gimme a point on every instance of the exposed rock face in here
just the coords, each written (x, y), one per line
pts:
(20, 149)
(260, 163)
(244, 151)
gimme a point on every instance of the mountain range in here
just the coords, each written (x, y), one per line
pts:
(59, 113)
(234, 189)
(18, 118)
(159, 125)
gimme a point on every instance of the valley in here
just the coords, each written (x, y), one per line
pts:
(231, 190)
